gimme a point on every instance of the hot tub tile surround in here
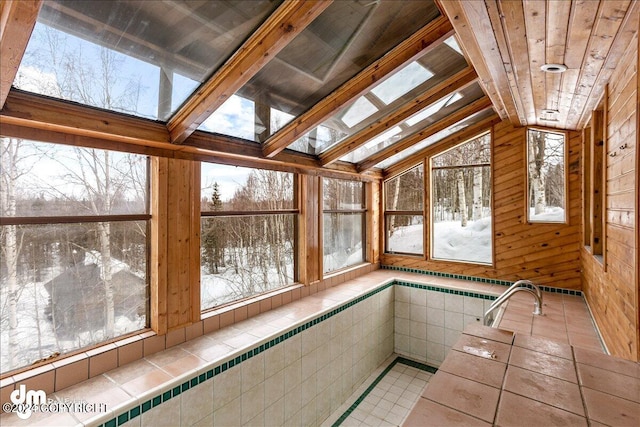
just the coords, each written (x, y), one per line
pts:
(534, 386)
(192, 365)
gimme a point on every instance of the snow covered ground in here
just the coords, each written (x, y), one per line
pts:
(551, 214)
(451, 241)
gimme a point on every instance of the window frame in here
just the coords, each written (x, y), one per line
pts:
(295, 212)
(364, 214)
(388, 213)
(565, 159)
(430, 183)
(43, 220)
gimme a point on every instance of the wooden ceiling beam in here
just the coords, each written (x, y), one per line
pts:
(291, 18)
(464, 112)
(39, 118)
(477, 39)
(39, 112)
(430, 36)
(442, 145)
(17, 20)
(445, 88)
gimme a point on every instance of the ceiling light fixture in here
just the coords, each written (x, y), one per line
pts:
(550, 111)
(554, 68)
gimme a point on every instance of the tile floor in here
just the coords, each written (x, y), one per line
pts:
(386, 397)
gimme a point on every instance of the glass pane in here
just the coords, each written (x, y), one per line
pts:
(343, 240)
(471, 120)
(69, 286)
(339, 194)
(546, 172)
(346, 38)
(387, 96)
(405, 234)
(428, 116)
(243, 256)
(41, 179)
(405, 192)
(232, 188)
(461, 203)
(141, 57)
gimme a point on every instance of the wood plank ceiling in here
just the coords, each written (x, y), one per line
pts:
(506, 41)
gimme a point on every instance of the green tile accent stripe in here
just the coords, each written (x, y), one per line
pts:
(445, 290)
(477, 279)
(218, 369)
(379, 378)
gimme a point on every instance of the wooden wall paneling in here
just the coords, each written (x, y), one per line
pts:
(158, 258)
(178, 248)
(636, 186)
(194, 240)
(612, 292)
(308, 230)
(314, 229)
(426, 197)
(586, 186)
(548, 254)
(596, 172)
(374, 221)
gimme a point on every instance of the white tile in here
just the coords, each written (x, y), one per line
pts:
(435, 300)
(308, 338)
(226, 387)
(196, 403)
(402, 310)
(252, 372)
(274, 414)
(474, 306)
(274, 388)
(418, 330)
(451, 336)
(454, 320)
(454, 303)
(418, 313)
(228, 414)
(418, 297)
(167, 414)
(292, 349)
(402, 293)
(402, 326)
(274, 360)
(435, 317)
(252, 403)
(435, 334)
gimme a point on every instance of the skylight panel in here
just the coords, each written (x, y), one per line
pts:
(427, 112)
(360, 110)
(453, 44)
(234, 118)
(383, 137)
(407, 79)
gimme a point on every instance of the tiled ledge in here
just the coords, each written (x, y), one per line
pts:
(69, 370)
(496, 377)
(143, 380)
(172, 359)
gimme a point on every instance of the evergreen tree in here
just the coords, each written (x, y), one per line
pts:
(213, 235)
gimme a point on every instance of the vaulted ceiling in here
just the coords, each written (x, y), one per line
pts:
(319, 75)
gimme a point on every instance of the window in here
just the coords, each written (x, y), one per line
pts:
(247, 232)
(404, 216)
(73, 229)
(344, 217)
(461, 203)
(546, 158)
